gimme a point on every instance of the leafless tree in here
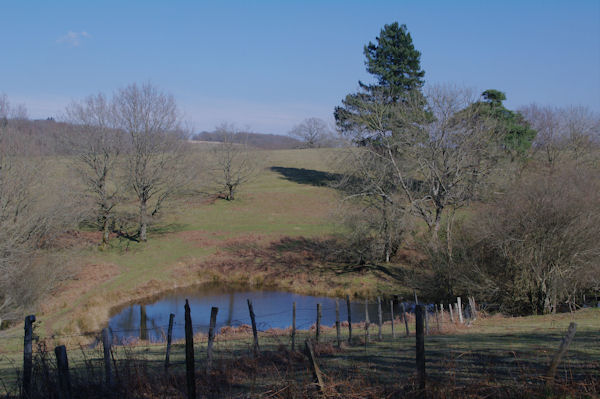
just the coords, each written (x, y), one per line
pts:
(154, 150)
(427, 161)
(536, 245)
(314, 132)
(98, 145)
(568, 133)
(233, 166)
(32, 211)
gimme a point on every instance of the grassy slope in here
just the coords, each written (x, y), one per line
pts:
(200, 241)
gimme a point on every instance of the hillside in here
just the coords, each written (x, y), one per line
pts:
(255, 140)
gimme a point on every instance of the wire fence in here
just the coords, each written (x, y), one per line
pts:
(380, 356)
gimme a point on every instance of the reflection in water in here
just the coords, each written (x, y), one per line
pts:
(273, 310)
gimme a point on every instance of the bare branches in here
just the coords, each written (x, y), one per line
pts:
(314, 132)
(233, 166)
(98, 145)
(151, 121)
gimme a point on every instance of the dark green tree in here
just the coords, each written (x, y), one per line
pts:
(514, 130)
(395, 63)
(514, 133)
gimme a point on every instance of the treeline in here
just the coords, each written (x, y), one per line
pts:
(255, 140)
(503, 203)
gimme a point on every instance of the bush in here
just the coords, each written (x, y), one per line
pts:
(536, 246)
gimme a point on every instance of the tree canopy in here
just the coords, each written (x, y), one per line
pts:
(395, 63)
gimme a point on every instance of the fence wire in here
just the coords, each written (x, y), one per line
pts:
(516, 352)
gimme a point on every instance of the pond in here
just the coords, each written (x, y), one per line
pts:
(149, 320)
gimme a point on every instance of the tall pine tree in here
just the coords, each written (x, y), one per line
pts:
(396, 66)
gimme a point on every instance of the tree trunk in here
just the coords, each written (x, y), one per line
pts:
(386, 231)
(143, 221)
(105, 231)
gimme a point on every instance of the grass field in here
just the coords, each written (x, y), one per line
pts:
(268, 236)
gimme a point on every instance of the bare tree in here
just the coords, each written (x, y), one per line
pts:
(314, 132)
(536, 245)
(32, 210)
(98, 145)
(233, 166)
(428, 160)
(151, 121)
(568, 133)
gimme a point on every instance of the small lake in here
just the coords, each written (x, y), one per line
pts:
(149, 320)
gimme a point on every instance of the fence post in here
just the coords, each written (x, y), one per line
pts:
(349, 320)
(254, 331)
(392, 314)
(107, 343)
(367, 322)
(313, 362)
(28, 355)
(459, 310)
(379, 319)
(169, 340)
(211, 336)
(437, 317)
(420, 312)
(405, 319)
(564, 345)
(451, 314)
(318, 332)
(190, 365)
(337, 324)
(64, 379)
(473, 308)
(293, 325)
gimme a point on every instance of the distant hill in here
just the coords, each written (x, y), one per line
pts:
(257, 140)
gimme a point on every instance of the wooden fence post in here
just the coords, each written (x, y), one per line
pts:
(379, 319)
(169, 340)
(62, 366)
(367, 322)
(451, 314)
(459, 310)
(190, 365)
(420, 312)
(564, 345)
(315, 367)
(437, 317)
(293, 326)
(254, 330)
(107, 343)
(211, 336)
(337, 324)
(405, 319)
(473, 308)
(349, 320)
(318, 332)
(392, 314)
(28, 355)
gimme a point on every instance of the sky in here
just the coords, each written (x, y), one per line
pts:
(267, 65)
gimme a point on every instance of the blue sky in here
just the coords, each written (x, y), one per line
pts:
(267, 65)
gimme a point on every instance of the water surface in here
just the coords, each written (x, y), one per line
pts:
(273, 309)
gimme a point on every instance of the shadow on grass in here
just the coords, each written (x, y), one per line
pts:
(307, 176)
